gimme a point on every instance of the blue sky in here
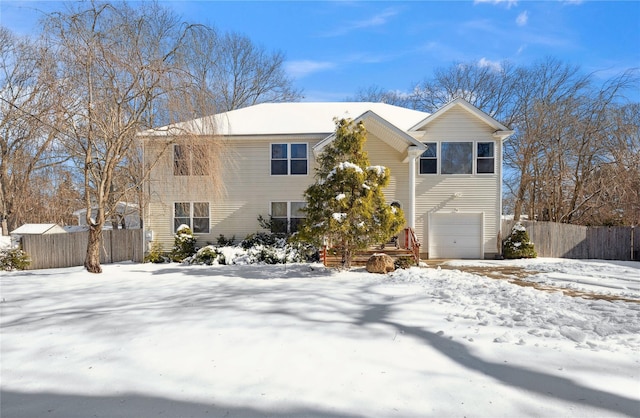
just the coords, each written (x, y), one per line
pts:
(335, 48)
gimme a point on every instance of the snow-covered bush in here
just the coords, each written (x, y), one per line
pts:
(184, 244)
(13, 259)
(518, 244)
(208, 255)
(264, 239)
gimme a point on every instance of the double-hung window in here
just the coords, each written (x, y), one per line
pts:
(485, 163)
(429, 159)
(286, 217)
(289, 159)
(190, 160)
(193, 214)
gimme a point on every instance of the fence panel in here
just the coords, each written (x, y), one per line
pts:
(68, 250)
(580, 242)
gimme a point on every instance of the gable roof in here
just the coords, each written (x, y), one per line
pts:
(501, 131)
(290, 118)
(400, 137)
(38, 229)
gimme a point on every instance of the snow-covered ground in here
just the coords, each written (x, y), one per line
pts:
(145, 340)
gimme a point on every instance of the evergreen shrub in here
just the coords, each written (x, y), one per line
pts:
(13, 259)
(518, 244)
(184, 244)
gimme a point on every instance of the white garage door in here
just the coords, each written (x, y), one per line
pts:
(455, 235)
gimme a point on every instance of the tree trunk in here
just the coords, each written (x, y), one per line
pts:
(92, 260)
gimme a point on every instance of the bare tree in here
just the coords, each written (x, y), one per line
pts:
(246, 74)
(29, 113)
(115, 62)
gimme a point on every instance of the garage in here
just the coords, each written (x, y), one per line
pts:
(456, 235)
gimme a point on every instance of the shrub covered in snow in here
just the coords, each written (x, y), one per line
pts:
(518, 244)
(13, 259)
(208, 255)
(184, 244)
(258, 248)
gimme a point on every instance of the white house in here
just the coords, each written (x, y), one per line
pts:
(127, 215)
(446, 170)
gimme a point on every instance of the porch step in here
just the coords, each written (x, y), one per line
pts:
(361, 257)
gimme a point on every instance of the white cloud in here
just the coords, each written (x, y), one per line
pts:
(508, 3)
(302, 68)
(379, 19)
(522, 18)
(494, 65)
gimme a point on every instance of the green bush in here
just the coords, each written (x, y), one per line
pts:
(225, 242)
(184, 244)
(13, 259)
(262, 238)
(518, 244)
(404, 262)
(156, 254)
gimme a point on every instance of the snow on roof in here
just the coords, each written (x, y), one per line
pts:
(34, 229)
(292, 118)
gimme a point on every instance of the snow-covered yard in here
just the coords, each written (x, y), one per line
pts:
(145, 340)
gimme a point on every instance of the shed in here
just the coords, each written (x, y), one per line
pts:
(38, 229)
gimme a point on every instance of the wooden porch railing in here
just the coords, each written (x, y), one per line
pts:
(410, 244)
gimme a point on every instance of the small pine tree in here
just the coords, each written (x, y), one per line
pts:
(346, 204)
(184, 244)
(518, 244)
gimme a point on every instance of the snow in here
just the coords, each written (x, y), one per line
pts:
(5, 242)
(294, 340)
(340, 196)
(345, 166)
(378, 169)
(339, 217)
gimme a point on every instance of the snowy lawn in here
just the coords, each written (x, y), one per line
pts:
(145, 340)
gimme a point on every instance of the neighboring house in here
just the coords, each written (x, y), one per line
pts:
(446, 171)
(127, 216)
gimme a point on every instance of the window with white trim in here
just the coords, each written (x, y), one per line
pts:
(190, 160)
(286, 217)
(485, 160)
(429, 159)
(193, 214)
(463, 157)
(289, 159)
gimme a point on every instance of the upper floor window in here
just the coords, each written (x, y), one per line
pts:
(289, 159)
(190, 160)
(457, 158)
(286, 217)
(485, 158)
(193, 214)
(429, 159)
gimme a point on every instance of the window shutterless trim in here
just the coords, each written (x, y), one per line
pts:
(289, 159)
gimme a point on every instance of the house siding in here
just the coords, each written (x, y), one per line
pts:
(249, 188)
(479, 193)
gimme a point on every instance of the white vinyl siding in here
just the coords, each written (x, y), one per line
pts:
(465, 193)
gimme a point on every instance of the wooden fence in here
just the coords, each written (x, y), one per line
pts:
(585, 242)
(68, 250)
